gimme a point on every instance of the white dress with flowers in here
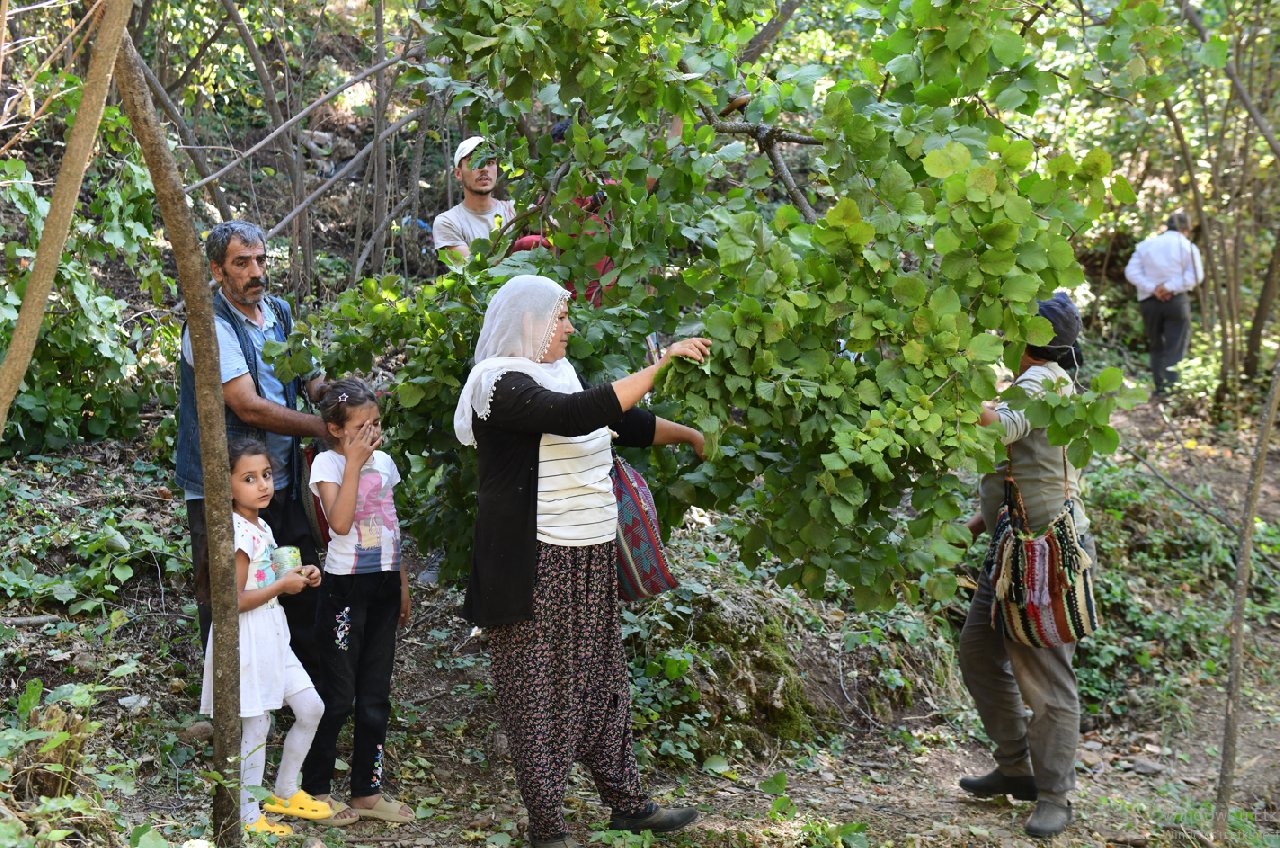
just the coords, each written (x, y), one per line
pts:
(269, 670)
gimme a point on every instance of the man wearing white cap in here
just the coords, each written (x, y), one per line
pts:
(479, 214)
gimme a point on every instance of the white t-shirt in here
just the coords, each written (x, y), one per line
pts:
(576, 504)
(373, 542)
(461, 226)
(257, 542)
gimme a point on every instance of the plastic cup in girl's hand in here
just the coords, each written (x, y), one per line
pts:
(285, 558)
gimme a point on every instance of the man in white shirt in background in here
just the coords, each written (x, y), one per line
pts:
(475, 167)
(1163, 269)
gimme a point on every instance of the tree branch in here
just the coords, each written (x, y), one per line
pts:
(770, 31)
(1233, 73)
(311, 107)
(346, 170)
(189, 140)
(1244, 563)
(62, 205)
(192, 275)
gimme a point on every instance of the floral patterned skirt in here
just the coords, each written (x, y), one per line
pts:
(562, 687)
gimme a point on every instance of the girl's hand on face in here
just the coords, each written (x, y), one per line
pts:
(363, 442)
(293, 581)
(695, 348)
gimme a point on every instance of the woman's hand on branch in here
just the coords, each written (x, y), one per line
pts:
(696, 348)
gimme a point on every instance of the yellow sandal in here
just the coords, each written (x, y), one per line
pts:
(264, 826)
(300, 805)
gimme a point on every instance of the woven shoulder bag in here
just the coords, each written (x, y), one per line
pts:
(1043, 583)
(642, 561)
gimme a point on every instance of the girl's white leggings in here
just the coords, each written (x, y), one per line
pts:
(307, 710)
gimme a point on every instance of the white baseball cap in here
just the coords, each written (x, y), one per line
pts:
(464, 149)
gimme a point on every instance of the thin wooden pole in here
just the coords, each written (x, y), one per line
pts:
(57, 224)
(1244, 562)
(193, 280)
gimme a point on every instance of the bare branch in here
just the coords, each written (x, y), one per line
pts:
(346, 170)
(1233, 73)
(75, 161)
(311, 107)
(189, 140)
(770, 31)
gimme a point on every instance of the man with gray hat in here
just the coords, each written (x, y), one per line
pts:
(475, 167)
(1163, 269)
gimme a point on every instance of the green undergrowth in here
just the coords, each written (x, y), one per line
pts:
(1164, 588)
(72, 538)
(729, 666)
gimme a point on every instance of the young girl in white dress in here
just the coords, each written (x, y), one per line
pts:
(270, 674)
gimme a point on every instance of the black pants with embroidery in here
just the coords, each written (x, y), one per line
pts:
(356, 638)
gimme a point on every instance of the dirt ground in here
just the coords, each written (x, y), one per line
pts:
(1137, 785)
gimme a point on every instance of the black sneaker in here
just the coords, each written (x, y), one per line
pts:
(657, 819)
(1023, 788)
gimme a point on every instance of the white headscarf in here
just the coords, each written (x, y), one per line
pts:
(518, 328)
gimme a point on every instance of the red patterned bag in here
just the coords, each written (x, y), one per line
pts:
(642, 561)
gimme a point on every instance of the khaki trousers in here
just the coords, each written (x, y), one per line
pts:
(1025, 696)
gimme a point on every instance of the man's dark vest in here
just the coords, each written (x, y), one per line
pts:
(190, 473)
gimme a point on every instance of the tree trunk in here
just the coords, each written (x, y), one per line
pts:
(189, 139)
(75, 161)
(1244, 561)
(380, 189)
(770, 31)
(1262, 314)
(301, 227)
(193, 279)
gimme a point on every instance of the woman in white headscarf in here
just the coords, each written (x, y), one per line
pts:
(543, 575)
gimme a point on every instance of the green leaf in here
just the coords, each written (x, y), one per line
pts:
(473, 43)
(719, 325)
(997, 263)
(909, 291)
(716, 764)
(844, 214)
(1104, 440)
(1122, 190)
(945, 241)
(1107, 380)
(1039, 330)
(981, 183)
(1213, 52)
(1018, 154)
(1007, 46)
(775, 785)
(1060, 253)
(985, 347)
(1020, 288)
(410, 394)
(954, 158)
(1096, 163)
(905, 68)
(1018, 209)
(737, 242)
(1001, 234)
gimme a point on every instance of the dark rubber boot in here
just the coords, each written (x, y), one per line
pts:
(1049, 819)
(1023, 788)
(658, 820)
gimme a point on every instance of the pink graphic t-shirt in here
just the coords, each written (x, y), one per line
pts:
(373, 543)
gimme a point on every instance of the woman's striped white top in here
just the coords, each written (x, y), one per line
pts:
(576, 505)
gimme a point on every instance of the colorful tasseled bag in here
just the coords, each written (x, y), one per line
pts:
(1043, 583)
(642, 562)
